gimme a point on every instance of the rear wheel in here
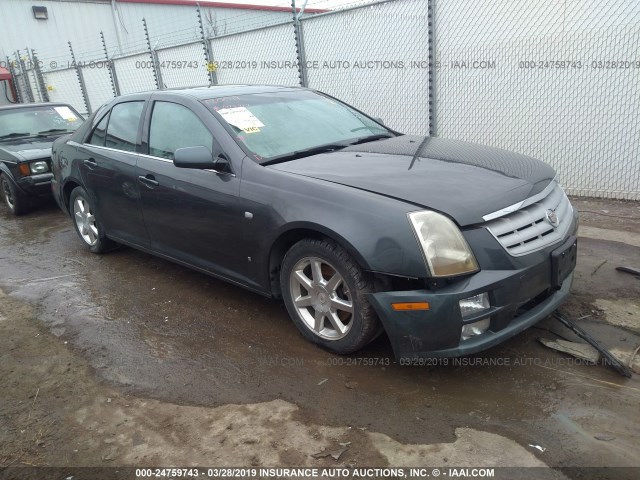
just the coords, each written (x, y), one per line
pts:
(87, 223)
(17, 204)
(324, 291)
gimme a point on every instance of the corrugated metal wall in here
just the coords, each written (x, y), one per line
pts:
(78, 22)
(81, 22)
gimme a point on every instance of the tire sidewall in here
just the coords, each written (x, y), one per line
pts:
(17, 207)
(334, 256)
(101, 244)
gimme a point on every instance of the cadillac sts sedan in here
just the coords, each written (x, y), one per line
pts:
(447, 247)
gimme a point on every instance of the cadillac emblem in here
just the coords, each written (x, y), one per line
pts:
(552, 218)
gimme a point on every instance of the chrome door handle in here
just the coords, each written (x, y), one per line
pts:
(148, 181)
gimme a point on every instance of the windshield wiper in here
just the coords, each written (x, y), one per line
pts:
(372, 138)
(307, 152)
(14, 135)
(54, 131)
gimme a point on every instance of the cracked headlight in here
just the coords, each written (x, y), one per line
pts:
(446, 251)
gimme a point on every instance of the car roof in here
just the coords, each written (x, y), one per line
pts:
(215, 91)
(201, 93)
(17, 106)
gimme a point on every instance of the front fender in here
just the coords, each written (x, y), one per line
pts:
(304, 225)
(7, 172)
(373, 228)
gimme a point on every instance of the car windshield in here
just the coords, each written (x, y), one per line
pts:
(32, 121)
(284, 125)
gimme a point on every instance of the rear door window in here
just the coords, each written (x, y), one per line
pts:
(122, 131)
(100, 132)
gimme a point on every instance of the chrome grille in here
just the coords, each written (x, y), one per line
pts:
(528, 229)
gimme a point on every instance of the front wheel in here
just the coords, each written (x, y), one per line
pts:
(16, 203)
(324, 291)
(87, 223)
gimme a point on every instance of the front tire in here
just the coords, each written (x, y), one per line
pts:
(87, 223)
(324, 291)
(16, 203)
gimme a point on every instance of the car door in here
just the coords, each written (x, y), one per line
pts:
(108, 161)
(192, 215)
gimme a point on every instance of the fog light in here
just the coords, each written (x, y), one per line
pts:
(472, 305)
(476, 328)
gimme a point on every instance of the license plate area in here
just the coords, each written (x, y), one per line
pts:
(563, 261)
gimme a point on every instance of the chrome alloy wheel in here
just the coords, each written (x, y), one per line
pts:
(322, 298)
(85, 221)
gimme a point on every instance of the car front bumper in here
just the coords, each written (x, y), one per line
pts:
(36, 185)
(519, 298)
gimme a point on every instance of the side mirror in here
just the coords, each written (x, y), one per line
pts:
(379, 120)
(193, 157)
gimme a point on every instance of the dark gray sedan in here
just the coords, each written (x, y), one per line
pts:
(446, 246)
(27, 132)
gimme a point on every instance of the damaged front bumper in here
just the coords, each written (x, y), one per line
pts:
(518, 299)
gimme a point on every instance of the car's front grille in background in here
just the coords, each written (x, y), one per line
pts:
(529, 229)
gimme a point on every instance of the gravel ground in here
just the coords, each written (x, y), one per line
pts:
(128, 360)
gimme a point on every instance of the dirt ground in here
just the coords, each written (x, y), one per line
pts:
(128, 360)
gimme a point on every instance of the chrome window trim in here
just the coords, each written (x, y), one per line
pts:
(149, 156)
(109, 149)
(526, 202)
(153, 157)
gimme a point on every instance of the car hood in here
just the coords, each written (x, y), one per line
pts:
(461, 179)
(28, 149)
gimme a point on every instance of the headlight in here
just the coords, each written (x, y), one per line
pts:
(38, 167)
(445, 249)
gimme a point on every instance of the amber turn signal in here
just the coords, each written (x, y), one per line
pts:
(24, 169)
(406, 306)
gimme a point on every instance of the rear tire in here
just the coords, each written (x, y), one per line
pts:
(87, 222)
(324, 291)
(17, 204)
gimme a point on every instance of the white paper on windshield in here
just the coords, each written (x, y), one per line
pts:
(242, 118)
(66, 113)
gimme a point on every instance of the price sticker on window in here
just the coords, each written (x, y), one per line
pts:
(66, 113)
(241, 118)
